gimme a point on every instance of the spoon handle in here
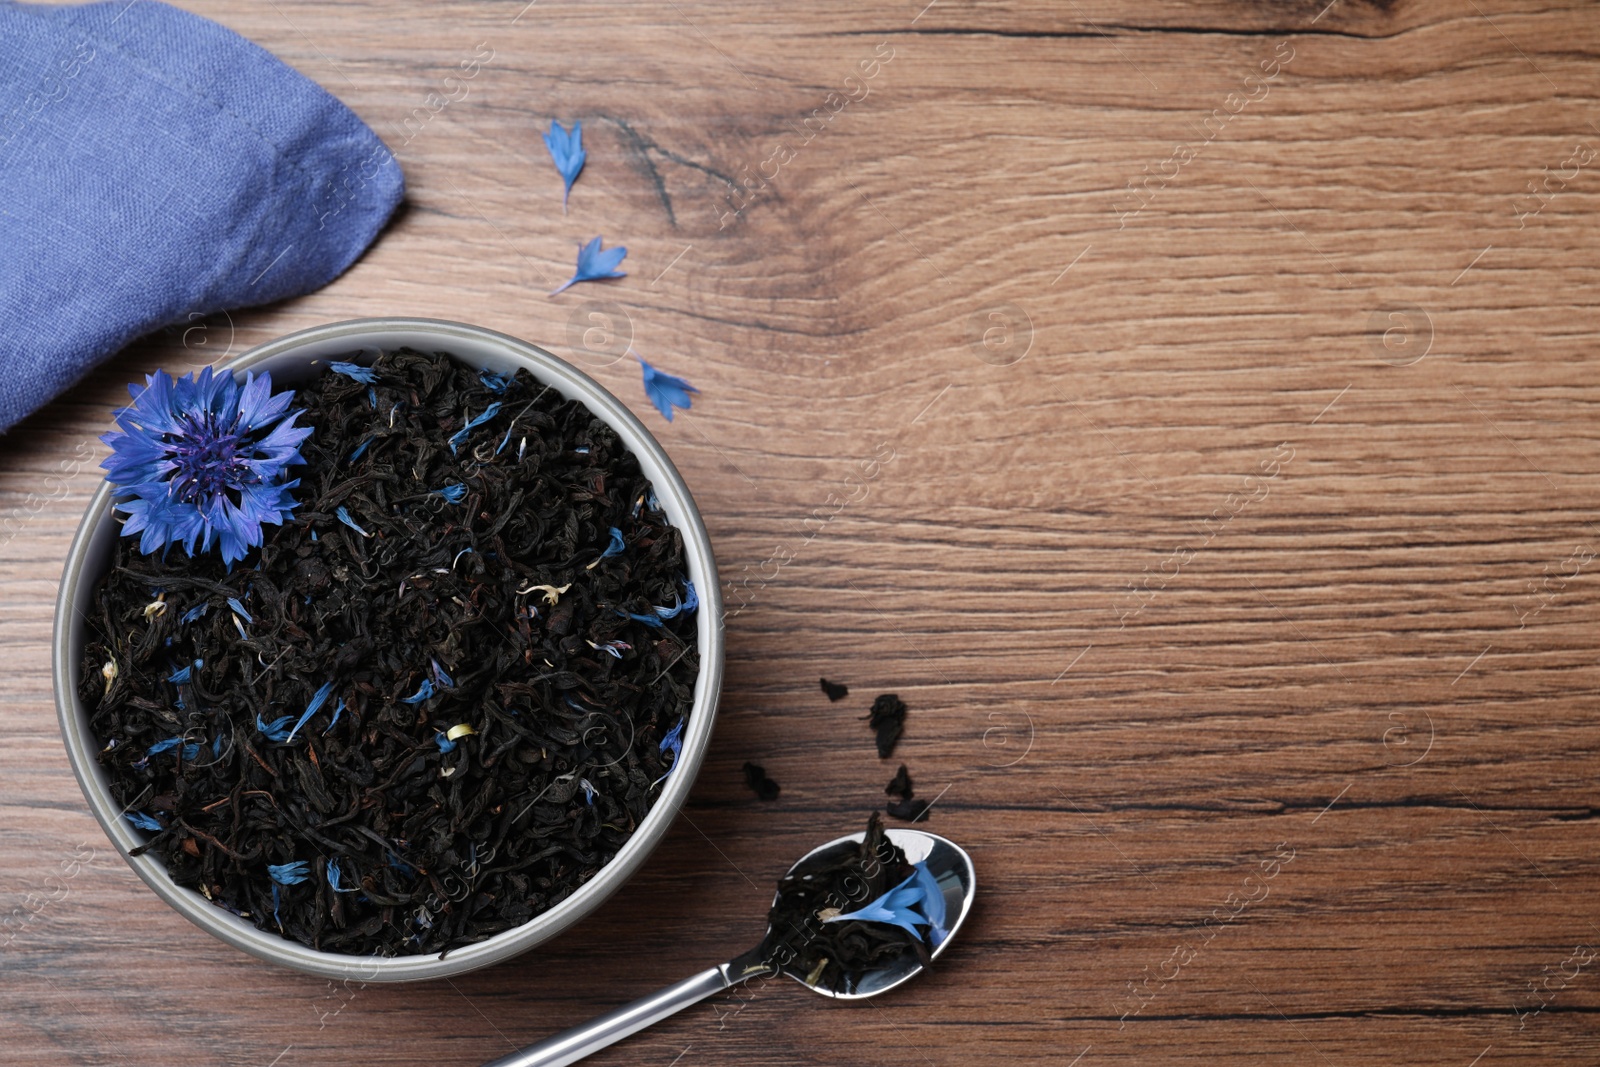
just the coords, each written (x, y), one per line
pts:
(612, 1027)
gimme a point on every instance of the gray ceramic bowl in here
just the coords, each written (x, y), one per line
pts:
(291, 360)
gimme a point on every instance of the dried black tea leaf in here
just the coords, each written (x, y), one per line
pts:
(834, 690)
(899, 785)
(887, 720)
(836, 954)
(909, 810)
(437, 700)
(755, 776)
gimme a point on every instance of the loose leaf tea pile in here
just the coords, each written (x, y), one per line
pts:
(437, 700)
(836, 954)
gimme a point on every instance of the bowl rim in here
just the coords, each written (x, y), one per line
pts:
(341, 338)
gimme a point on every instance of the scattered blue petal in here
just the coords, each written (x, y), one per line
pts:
(649, 618)
(684, 604)
(216, 747)
(594, 265)
(311, 709)
(616, 546)
(181, 675)
(424, 691)
(277, 729)
(313, 540)
(143, 821)
(238, 609)
(452, 493)
(915, 902)
(588, 791)
(584, 451)
(372, 397)
(202, 460)
(566, 149)
(933, 907)
(335, 876)
(291, 873)
(364, 375)
(459, 438)
(401, 865)
(196, 612)
(344, 517)
(666, 391)
(444, 743)
(438, 672)
(164, 746)
(359, 449)
(338, 711)
(613, 648)
(673, 743)
(495, 383)
(275, 900)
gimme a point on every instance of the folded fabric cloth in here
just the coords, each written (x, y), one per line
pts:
(155, 168)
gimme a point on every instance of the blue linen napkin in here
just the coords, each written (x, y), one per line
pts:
(155, 168)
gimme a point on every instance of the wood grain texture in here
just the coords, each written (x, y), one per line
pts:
(1241, 504)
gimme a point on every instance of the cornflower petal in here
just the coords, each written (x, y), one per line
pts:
(594, 265)
(355, 371)
(292, 873)
(311, 709)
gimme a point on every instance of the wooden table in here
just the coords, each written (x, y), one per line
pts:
(1189, 410)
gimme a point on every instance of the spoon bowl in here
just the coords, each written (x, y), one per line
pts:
(951, 868)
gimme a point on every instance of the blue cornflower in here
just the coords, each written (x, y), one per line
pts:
(649, 618)
(343, 515)
(143, 821)
(364, 375)
(238, 609)
(673, 743)
(687, 603)
(495, 383)
(445, 744)
(594, 265)
(452, 493)
(458, 438)
(311, 709)
(355, 453)
(438, 672)
(566, 148)
(190, 750)
(335, 876)
(666, 391)
(588, 791)
(203, 459)
(917, 901)
(182, 674)
(616, 546)
(277, 729)
(424, 691)
(196, 612)
(291, 873)
(612, 648)
(338, 711)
